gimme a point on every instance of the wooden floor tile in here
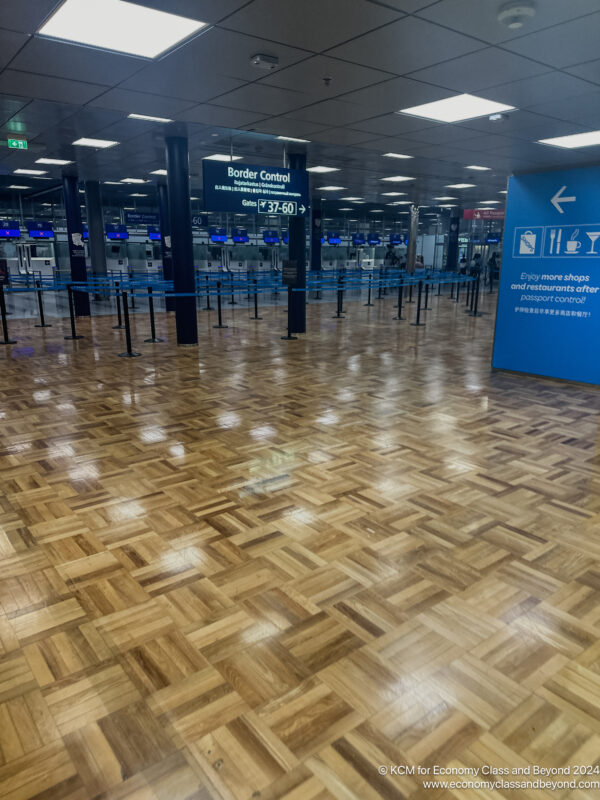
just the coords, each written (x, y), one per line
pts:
(262, 569)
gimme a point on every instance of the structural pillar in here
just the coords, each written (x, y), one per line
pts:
(413, 232)
(297, 253)
(180, 219)
(316, 232)
(96, 245)
(76, 247)
(452, 257)
(165, 240)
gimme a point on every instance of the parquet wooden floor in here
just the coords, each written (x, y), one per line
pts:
(261, 569)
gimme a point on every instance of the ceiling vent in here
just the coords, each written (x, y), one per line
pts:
(264, 62)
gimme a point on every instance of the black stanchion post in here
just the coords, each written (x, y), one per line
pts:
(418, 320)
(219, 310)
(410, 297)
(208, 306)
(74, 334)
(491, 281)
(119, 326)
(472, 297)
(255, 300)
(452, 290)
(152, 325)
(400, 287)
(369, 303)
(439, 287)
(233, 301)
(468, 300)
(425, 307)
(380, 292)
(43, 323)
(131, 276)
(129, 353)
(340, 299)
(457, 291)
(7, 339)
(289, 336)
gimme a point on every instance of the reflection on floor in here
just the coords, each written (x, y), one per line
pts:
(263, 568)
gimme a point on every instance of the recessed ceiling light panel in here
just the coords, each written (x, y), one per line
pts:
(146, 118)
(100, 144)
(457, 108)
(587, 139)
(397, 178)
(120, 26)
(57, 162)
(221, 157)
(30, 171)
(460, 185)
(323, 169)
(396, 155)
(479, 169)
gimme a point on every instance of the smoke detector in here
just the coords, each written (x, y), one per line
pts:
(263, 61)
(515, 14)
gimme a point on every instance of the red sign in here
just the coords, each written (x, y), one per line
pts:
(483, 213)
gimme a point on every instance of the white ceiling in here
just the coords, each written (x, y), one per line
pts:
(378, 56)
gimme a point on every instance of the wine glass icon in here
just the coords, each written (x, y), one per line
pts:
(593, 236)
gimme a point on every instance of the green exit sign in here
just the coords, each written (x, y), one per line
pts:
(17, 144)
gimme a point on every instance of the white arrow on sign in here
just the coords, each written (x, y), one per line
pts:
(302, 209)
(559, 198)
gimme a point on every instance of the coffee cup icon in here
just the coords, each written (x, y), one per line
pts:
(573, 245)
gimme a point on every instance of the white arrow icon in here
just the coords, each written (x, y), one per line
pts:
(302, 209)
(558, 199)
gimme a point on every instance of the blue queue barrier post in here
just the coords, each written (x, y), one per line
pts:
(417, 323)
(219, 309)
(152, 338)
(42, 323)
(129, 353)
(74, 334)
(208, 306)
(6, 339)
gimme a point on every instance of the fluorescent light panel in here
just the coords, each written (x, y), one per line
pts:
(16, 186)
(460, 185)
(323, 169)
(146, 118)
(444, 198)
(100, 144)
(221, 157)
(392, 194)
(351, 199)
(137, 194)
(57, 162)
(479, 169)
(489, 202)
(587, 139)
(397, 178)
(30, 171)
(159, 172)
(331, 188)
(457, 108)
(133, 180)
(119, 26)
(292, 139)
(396, 155)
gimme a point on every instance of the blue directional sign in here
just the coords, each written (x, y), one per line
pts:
(548, 320)
(254, 189)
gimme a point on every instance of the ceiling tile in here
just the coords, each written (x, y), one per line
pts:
(331, 113)
(590, 71)
(10, 44)
(480, 19)
(219, 62)
(343, 136)
(551, 86)
(26, 17)
(564, 45)
(140, 103)
(264, 99)
(62, 60)
(395, 94)
(217, 115)
(585, 108)
(284, 126)
(204, 10)
(311, 24)
(310, 74)
(405, 46)
(479, 70)
(48, 88)
(393, 125)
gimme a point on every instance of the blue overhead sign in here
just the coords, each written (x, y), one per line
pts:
(548, 320)
(139, 219)
(254, 189)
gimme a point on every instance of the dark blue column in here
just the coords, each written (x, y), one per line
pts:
(180, 216)
(76, 248)
(95, 221)
(297, 253)
(452, 257)
(316, 232)
(165, 240)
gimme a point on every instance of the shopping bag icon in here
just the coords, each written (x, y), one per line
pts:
(527, 243)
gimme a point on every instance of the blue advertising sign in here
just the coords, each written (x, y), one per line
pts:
(358, 238)
(254, 189)
(374, 239)
(139, 219)
(334, 238)
(154, 233)
(271, 237)
(548, 319)
(217, 234)
(240, 235)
